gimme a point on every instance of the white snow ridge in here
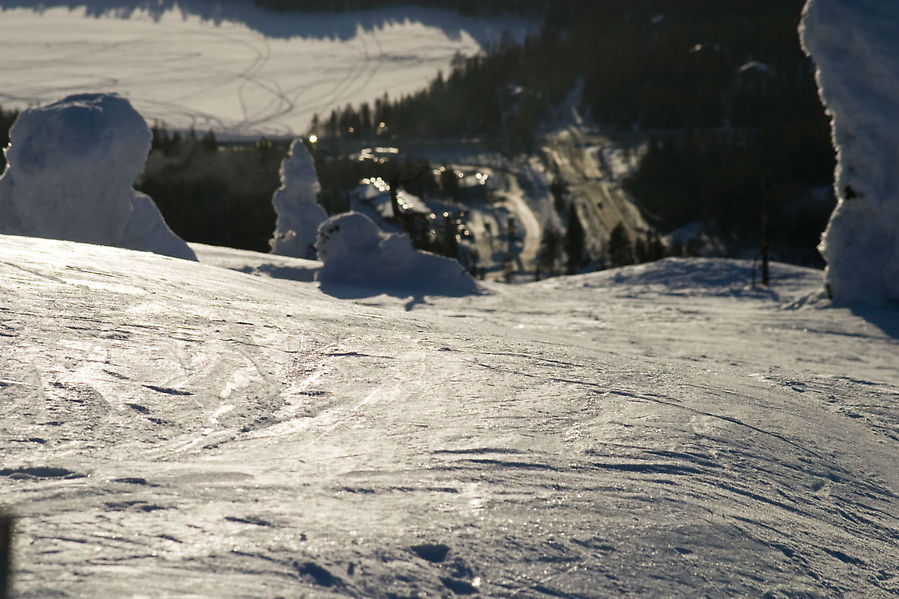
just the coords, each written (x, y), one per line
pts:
(296, 204)
(854, 46)
(70, 167)
(356, 254)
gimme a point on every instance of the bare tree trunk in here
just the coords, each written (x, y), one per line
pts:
(6, 522)
(766, 200)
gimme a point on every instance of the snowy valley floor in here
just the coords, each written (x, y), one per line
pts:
(175, 429)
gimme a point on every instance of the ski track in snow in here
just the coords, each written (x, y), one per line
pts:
(227, 76)
(661, 430)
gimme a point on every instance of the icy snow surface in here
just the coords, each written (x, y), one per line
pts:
(358, 259)
(855, 48)
(70, 168)
(176, 429)
(269, 265)
(230, 66)
(296, 204)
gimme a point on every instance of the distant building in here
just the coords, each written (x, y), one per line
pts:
(473, 187)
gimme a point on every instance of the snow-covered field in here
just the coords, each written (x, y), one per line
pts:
(231, 67)
(172, 428)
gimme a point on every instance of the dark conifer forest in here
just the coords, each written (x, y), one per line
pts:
(468, 7)
(720, 92)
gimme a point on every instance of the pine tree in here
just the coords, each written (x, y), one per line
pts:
(621, 248)
(574, 241)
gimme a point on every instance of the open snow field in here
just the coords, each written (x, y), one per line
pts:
(232, 67)
(178, 429)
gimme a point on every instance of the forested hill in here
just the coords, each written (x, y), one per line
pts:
(721, 92)
(655, 64)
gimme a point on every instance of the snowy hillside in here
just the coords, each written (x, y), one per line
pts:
(230, 66)
(178, 429)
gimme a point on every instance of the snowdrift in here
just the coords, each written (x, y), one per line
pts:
(856, 52)
(358, 258)
(697, 277)
(255, 263)
(70, 168)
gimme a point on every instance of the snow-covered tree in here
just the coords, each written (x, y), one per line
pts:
(296, 204)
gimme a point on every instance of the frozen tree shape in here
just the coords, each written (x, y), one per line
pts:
(69, 175)
(855, 49)
(296, 204)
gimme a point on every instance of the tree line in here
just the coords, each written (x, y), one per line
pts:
(647, 64)
(468, 7)
(220, 194)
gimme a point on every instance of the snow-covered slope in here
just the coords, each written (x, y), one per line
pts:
(177, 429)
(856, 51)
(230, 66)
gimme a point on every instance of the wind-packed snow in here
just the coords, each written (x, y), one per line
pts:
(856, 51)
(297, 207)
(269, 265)
(358, 259)
(174, 429)
(70, 168)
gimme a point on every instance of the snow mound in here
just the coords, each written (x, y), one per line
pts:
(855, 48)
(355, 253)
(70, 167)
(296, 204)
(257, 263)
(699, 277)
